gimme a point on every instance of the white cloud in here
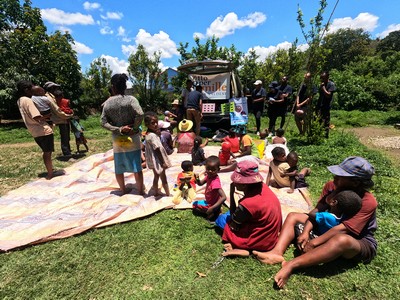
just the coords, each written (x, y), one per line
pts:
(116, 65)
(59, 17)
(106, 30)
(153, 43)
(264, 52)
(112, 16)
(122, 33)
(91, 5)
(81, 48)
(227, 25)
(365, 21)
(389, 29)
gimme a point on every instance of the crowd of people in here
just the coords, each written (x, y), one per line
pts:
(341, 225)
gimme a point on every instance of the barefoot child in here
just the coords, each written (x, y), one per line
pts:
(156, 156)
(257, 219)
(214, 194)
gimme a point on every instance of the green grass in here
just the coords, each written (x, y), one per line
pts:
(157, 257)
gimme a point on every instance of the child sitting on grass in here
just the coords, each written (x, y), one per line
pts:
(156, 156)
(214, 194)
(339, 207)
(186, 184)
(279, 138)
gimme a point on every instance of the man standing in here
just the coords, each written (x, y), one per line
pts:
(326, 90)
(303, 101)
(194, 107)
(258, 99)
(36, 124)
(185, 95)
(286, 92)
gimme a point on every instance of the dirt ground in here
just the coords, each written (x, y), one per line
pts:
(386, 139)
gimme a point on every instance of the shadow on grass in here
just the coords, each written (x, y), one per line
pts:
(12, 124)
(392, 120)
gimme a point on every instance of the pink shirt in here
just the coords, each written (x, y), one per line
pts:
(212, 187)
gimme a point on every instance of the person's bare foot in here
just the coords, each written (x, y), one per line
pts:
(269, 257)
(282, 277)
(290, 191)
(49, 176)
(228, 247)
(236, 252)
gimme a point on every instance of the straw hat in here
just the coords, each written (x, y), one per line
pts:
(185, 125)
(175, 102)
(163, 124)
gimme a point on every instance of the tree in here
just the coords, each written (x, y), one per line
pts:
(95, 84)
(27, 52)
(389, 45)
(344, 46)
(145, 73)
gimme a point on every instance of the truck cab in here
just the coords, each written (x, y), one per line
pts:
(220, 83)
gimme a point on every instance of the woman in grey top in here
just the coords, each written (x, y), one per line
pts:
(122, 115)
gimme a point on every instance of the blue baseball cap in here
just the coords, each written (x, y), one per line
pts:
(353, 166)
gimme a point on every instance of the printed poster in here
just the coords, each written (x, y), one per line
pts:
(238, 111)
(214, 86)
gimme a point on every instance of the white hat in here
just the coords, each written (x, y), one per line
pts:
(258, 82)
(163, 124)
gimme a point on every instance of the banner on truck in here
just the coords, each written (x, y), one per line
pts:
(214, 86)
(238, 111)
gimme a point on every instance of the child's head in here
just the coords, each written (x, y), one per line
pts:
(24, 88)
(263, 134)
(58, 94)
(187, 166)
(280, 132)
(347, 202)
(212, 166)
(151, 121)
(292, 159)
(197, 142)
(38, 91)
(232, 132)
(278, 153)
(226, 147)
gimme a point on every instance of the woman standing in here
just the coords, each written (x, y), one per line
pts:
(122, 115)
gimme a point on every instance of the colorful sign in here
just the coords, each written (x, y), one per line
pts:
(238, 111)
(214, 86)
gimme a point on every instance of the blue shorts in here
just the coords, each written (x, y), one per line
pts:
(128, 162)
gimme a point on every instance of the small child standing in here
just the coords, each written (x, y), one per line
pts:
(214, 194)
(225, 153)
(198, 156)
(233, 140)
(279, 138)
(78, 130)
(186, 184)
(156, 156)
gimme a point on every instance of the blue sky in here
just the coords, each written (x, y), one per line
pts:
(114, 28)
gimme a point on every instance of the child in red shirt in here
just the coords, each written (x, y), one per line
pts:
(225, 153)
(233, 140)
